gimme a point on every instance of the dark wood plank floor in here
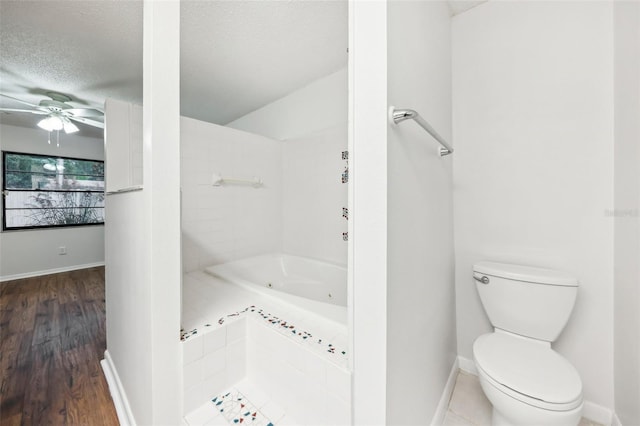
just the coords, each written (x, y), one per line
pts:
(52, 338)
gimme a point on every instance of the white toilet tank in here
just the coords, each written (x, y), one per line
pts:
(531, 302)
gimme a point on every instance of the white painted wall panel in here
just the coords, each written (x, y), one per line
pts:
(421, 346)
(117, 144)
(128, 292)
(533, 167)
(143, 274)
(368, 206)
(627, 211)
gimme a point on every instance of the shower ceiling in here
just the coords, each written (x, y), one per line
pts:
(236, 56)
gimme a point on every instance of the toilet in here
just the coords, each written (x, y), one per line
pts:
(526, 381)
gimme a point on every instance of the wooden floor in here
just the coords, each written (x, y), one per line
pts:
(52, 338)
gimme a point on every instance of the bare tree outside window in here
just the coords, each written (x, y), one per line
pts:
(41, 191)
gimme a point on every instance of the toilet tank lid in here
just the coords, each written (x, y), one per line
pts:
(525, 273)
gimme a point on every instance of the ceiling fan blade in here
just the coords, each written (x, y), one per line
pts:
(24, 110)
(84, 112)
(87, 121)
(19, 100)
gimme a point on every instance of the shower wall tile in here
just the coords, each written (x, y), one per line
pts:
(192, 350)
(214, 385)
(236, 360)
(193, 373)
(338, 411)
(236, 330)
(192, 397)
(339, 380)
(215, 340)
(295, 377)
(213, 363)
(283, 351)
(225, 223)
(313, 195)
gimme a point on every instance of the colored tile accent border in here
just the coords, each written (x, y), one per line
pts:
(184, 335)
(238, 410)
(287, 328)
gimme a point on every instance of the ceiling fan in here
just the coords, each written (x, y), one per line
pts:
(59, 115)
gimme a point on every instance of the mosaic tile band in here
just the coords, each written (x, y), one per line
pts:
(237, 410)
(277, 323)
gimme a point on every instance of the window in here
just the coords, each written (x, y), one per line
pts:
(43, 191)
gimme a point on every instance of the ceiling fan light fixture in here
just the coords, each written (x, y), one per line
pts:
(57, 114)
(68, 126)
(51, 123)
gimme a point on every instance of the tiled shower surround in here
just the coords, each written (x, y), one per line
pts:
(297, 361)
(297, 210)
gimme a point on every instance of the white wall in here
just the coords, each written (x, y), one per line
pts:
(313, 108)
(228, 222)
(143, 273)
(533, 167)
(627, 211)
(421, 346)
(127, 293)
(368, 207)
(35, 252)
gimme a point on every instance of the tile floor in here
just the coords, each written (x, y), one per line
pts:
(243, 403)
(469, 407)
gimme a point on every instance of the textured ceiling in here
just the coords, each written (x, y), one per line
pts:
(245, 54)
(88, 50)
(236, 56)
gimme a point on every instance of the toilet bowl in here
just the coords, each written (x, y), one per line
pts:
(526, 381)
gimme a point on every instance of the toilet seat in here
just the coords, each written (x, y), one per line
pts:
(528, 370)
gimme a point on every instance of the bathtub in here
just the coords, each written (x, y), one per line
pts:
(315, 286)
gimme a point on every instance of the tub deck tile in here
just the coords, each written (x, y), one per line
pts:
(323, 337)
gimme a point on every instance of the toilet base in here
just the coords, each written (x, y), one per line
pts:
(523, 414)
(498, 419)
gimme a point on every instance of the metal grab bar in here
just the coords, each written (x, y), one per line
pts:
(218, 180)
(399, 115)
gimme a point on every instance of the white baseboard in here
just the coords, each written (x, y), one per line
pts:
(49, 271)
(120, 401)
(597, 413)
(594, 412)
(467, 365)
(616, 421)
(443, 405)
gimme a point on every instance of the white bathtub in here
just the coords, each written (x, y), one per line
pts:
(315, 286)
